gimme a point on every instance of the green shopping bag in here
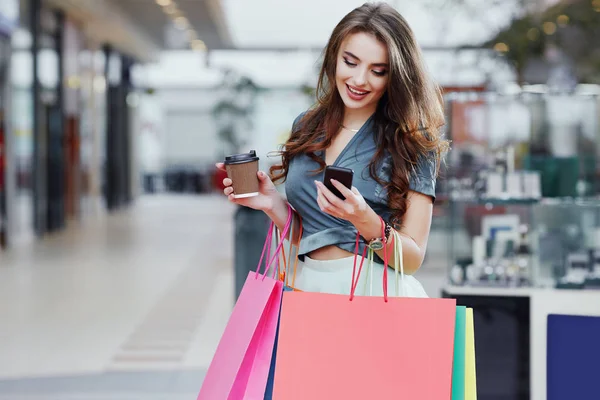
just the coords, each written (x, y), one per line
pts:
(458, 366)
(464, 386)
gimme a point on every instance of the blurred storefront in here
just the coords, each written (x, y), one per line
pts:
(66, 126)
(9, 20)
(117, 164)
(524, 226)
(91, 101)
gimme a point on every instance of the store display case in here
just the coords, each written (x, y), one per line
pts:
(548, 243)
(522, 190)
(523, 226)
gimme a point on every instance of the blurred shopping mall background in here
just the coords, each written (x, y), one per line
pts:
(120, 260)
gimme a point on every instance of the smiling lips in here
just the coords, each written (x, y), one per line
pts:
(355, 94)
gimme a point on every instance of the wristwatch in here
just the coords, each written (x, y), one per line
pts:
(377, 244)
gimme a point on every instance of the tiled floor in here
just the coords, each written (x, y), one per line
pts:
(154, 385)
(147, 289)
(130, 306)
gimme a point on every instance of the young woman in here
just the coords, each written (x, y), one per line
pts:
(378, 113)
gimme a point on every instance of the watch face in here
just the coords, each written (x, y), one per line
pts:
(376, 244)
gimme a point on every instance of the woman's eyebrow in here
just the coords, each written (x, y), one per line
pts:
(358, 59)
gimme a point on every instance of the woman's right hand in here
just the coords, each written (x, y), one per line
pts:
(266, 198)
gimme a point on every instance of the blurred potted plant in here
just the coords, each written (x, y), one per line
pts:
(566, 33)
(235, 110)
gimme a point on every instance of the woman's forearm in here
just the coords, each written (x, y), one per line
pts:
(369, 227)
(278, 213)
(412, 254)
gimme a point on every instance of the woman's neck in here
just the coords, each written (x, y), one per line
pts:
(355, 118)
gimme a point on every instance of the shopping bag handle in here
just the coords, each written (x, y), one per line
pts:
(284, 259)
(396, 242)
(267, 247)
(300, 233)
(356, 276)
(283, 275)
(399, 261)
(288, 269)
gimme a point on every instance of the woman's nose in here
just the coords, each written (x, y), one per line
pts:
(360, 78)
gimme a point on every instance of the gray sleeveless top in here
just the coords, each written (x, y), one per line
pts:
(321, 229)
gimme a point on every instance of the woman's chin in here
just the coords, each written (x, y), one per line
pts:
(355, 105)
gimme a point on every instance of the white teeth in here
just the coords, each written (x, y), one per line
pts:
(356, 91)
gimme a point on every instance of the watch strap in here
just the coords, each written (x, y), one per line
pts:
(385, 230)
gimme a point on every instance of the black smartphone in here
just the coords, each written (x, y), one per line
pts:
(340, 174)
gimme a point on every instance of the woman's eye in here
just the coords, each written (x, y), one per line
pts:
(379, 73)
(349, 63)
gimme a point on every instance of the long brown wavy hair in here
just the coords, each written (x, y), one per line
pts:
(408, 116)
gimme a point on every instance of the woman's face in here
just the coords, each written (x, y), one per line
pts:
(362, 71)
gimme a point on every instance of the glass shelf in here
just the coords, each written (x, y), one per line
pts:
(545, 149)
(497, 201)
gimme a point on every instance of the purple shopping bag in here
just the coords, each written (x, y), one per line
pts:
(240, 367)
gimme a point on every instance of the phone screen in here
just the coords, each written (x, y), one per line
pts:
(340, 174)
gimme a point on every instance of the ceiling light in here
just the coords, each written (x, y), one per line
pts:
(563, 20)
(181, 22)
(192, 34)
(198, 45)
(549, 28)
(73, 82)
(163, 3)
(99, 84)
(170, 9)
(501, 47)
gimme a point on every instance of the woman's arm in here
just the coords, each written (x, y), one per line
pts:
(278, 213)
(414, 232)
(268, 200)
(415, 228)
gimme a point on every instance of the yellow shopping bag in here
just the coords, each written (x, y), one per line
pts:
(470, 375)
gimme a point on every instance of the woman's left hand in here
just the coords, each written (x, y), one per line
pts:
(352, 209)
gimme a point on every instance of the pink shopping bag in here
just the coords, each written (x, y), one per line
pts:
(357, 348)
(240, 367)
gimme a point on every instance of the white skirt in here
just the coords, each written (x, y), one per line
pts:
(335, 276)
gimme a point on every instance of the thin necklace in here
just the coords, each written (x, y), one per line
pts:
(351, 130)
